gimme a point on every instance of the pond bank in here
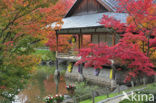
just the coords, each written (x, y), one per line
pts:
(42, 84)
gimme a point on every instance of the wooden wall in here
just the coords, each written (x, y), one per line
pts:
(103, 38)
(87, 7)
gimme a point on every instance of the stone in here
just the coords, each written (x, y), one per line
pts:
(80, 77)
(113, 84)
(67, 97)
(88, 74)
(68, 101)
(120, 77)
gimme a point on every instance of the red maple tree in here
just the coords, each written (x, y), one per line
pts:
(136, 46)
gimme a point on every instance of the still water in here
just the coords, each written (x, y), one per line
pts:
(41, 84)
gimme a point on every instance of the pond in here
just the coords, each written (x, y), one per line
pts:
(41, 84)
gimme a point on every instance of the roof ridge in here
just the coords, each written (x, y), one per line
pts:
(71, 8)
(109, 4)
(99, 1)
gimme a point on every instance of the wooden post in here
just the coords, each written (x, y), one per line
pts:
(132, 83)
(118, 89)
(107, 92)
(113, 39)
(113, 81)
(98, 38)
(56, 63)
(114, 71)
(56, 44)
(75, 101)
(81, 41)
(93, 96)
(79, 38)
(91, 38)
(144, 80)
(57, 76)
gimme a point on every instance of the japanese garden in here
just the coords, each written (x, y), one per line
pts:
(78, 51)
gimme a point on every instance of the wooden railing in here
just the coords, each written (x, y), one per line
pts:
(71, 55)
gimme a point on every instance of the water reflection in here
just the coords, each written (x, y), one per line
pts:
(41, 85)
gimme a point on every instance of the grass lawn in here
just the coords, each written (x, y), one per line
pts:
(100, 98)
(41, 51)
(45, 54)
(145, 99)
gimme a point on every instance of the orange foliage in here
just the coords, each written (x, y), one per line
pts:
(145, 21)
(22, 18)
(62, 8)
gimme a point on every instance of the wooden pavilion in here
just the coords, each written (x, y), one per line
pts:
(83, 19)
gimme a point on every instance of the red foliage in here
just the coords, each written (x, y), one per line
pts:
(153, 42)
(131, 38)
(141, 19)
(110, 22)
(64, 45)
(139, 27)
(125, 54)
(140, 22)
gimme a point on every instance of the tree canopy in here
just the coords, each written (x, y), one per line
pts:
(23, 26)
(136, 50)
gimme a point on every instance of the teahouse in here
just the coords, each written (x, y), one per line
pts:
(83, 19)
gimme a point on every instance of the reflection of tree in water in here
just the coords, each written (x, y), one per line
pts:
(50, 85)
(32, 93)
(41, 85)
(40, 77)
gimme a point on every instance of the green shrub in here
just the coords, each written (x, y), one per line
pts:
(45, 54)
(84, 91)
